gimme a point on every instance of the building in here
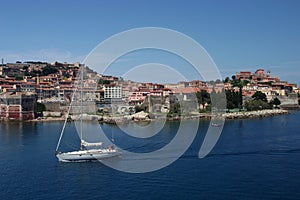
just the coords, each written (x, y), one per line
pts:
(187, 99)
(17, 106)
(186, 94)
(1, 70)
(28, 87)
(260, 73)
(243, 75)
(174, 86)
(112, 93)
(137, 97)
(166, 92)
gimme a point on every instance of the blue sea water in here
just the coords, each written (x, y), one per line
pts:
(253, 159)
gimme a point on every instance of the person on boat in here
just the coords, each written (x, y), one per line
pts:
(111, 147)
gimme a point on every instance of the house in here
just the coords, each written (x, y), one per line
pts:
(156, 93)
(187, 98)
(166, 92)
(28, 87)
(137, 97)
(186, 93)
(243, 75)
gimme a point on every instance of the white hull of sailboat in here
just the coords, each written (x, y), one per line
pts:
(87, 155)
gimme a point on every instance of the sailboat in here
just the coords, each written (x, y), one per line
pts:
(88, 151)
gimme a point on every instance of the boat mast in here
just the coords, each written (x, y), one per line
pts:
(81, 102)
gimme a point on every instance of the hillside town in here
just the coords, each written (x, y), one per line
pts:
(29, 90)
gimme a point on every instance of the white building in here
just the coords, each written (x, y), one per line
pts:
(112, 92)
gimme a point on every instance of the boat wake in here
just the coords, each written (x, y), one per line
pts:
(261, 152)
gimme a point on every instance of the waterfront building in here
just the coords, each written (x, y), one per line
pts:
(112, 92)
(17, 106)
(137, 97)
(188, 96)
(186, 93)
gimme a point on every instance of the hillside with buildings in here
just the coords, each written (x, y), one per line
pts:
(30, 88)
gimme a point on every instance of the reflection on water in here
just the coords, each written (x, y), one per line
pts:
(14, 134)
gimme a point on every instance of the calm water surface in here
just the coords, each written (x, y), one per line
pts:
(254, 159)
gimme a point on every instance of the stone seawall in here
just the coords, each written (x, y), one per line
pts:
(255, 114)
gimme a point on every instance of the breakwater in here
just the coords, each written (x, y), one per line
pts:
(147, 117)
(255, 114)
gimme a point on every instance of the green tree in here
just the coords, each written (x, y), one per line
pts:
(18, 78)
(25, 68)
(138, 109)
(260, 96)
(226, 80)
(256, 105)
(40, 107)
(103, 82)
(234, 99)
(142, 107)
(48, 70)
(245, 82)
(66, 75)
(175, 108)
(238, 96)
(131, 110)
(203, 98)
(276, 102)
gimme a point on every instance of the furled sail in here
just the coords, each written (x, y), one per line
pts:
(89, 144)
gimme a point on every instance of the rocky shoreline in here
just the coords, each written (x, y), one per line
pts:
(255, 114)
(145, 116)
(240, 115)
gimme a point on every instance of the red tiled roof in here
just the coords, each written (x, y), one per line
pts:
(186, 90)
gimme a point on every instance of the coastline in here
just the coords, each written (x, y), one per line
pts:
(130, 118)
(256, 114)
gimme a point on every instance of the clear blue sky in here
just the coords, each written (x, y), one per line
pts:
(239, 35)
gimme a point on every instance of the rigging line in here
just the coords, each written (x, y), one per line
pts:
(65, 122)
